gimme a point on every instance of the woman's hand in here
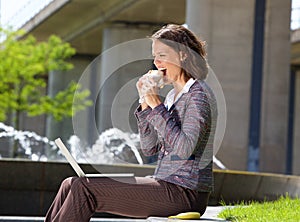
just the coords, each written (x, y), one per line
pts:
(151, 96)
(140, 89)
(148, 92)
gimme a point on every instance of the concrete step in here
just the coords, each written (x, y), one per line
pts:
(41, 219)
(209, 216)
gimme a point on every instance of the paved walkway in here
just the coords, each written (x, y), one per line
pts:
(209, 216)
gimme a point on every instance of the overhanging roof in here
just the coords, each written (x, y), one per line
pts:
(81, 22)
(295, 48)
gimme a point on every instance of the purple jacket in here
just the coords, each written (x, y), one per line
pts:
(182, 137)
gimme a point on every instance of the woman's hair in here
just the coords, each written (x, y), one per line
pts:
(183, 40)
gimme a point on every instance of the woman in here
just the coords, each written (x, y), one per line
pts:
(180, 131)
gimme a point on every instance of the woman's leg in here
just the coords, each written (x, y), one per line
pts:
(134, 197)
(69, 198)
(59, 199)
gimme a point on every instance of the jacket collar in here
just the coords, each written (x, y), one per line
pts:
(170, 100)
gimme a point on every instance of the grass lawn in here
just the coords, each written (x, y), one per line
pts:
(284, 209)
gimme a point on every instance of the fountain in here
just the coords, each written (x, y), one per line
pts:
(113, 146)
(27, 140)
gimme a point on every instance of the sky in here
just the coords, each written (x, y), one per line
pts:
(24, 8)
(10, 7)
(295, 14)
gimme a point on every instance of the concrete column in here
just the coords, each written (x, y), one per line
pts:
(120, 69)
(275, 91)
(296, 136)
(227, 27)
(57, 82)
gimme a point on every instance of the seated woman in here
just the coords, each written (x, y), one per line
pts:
(180, 131)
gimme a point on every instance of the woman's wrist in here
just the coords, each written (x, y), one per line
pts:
(144, 106)
(153, 101)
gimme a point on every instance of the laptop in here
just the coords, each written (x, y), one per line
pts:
(78, 169)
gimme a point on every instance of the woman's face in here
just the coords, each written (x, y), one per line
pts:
(167, 58)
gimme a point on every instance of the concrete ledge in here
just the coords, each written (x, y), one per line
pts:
(28, 188)
(235, 186)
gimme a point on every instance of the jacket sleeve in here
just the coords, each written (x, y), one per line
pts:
(148, 135)
(185, 133)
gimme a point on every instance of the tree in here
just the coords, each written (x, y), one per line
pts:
(24, 67)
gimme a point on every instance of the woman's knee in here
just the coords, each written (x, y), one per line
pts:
(73, 183)
(67, 183)
(78, 182)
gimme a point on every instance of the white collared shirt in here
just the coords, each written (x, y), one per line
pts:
(170, 100)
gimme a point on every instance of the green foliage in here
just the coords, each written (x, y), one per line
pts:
(62, 104)
(283, 209)
(24, 67)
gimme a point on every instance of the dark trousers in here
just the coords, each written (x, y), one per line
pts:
(79, 198)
